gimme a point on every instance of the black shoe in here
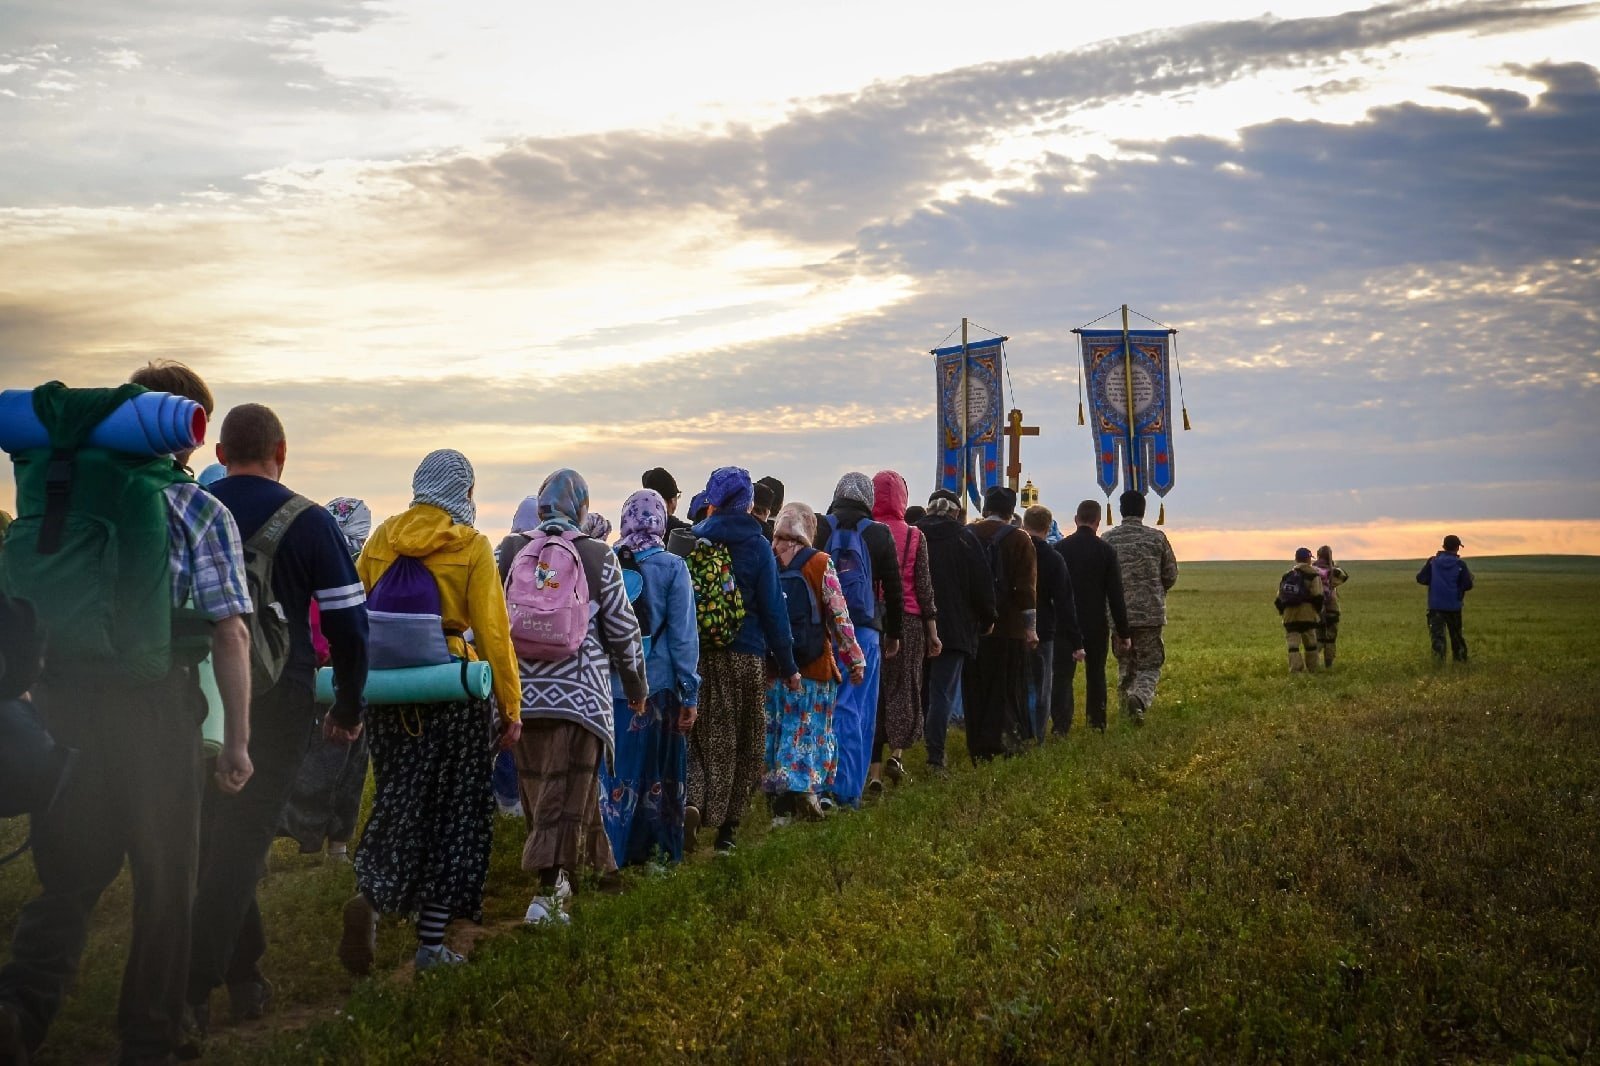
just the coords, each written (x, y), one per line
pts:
(248, 1001)
(193, 1029)
(724, 844)
(358, 947)
(875, 788)
(13, 1049)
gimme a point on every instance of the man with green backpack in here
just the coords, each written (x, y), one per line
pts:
(135, 572)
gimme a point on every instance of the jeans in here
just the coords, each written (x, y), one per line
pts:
(944, 698)
(1441, 622)
(1095, 648)
(1041, 675)
(235, 833)
(134, 794)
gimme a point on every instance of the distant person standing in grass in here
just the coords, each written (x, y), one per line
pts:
(995, 693)
(1299, 603)
(1149, 570)
(964, 592)
(1332, 577)
(1097, 592)
(1448, 581)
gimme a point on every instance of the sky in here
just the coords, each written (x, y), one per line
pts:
(619, 236)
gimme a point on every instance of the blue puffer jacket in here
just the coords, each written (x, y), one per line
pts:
(766, 619)
(1448, 581)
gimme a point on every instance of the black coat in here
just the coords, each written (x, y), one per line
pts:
(1096, 581)
(1057, 606)
(879, 543)
(962, 586)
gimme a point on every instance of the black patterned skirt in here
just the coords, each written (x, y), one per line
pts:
(428, 837)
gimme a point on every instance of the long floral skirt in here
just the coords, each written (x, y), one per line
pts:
(558, 770)
(802, 752)
(427, 839)
(726, 746)
(641, 802)
(901, 708)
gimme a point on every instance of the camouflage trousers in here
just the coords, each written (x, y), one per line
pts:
(1302, 637)
(1139, 668)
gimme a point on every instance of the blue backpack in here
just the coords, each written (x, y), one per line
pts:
(805, 614)
(634, 585)
(850, 558)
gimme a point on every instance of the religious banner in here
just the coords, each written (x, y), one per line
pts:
(970, 422)
(1130, 407)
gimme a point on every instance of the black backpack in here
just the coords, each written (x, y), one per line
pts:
(805, 614)
(1292, 590)
(996, 556)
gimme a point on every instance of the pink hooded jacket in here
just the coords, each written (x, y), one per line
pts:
(889, 499)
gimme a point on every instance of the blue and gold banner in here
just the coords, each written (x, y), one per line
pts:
(1143, 448)
(971, 427)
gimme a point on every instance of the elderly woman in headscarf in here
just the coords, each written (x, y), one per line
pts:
(326, 799)
(900, 706)
(566, 707)
(425, 848)
(727, 748)
(597, 526)
(641, 797)
(801, 749)
(869, 571)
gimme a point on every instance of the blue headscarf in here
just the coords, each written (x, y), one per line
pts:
(211, 475)
(563, 500)
(729, 489)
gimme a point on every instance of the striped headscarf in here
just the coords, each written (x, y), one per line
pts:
(445, 479)
(563, 500)
(355, 521)
(644, 521)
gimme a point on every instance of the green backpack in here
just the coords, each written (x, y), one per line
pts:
(89, 545)
(718, 606)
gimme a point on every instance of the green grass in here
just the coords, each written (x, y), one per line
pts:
(1386, 862)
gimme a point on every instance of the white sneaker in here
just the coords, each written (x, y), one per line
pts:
(563, 890)
(546, 910)
(779, 821)
(429, 957)
(509, 810)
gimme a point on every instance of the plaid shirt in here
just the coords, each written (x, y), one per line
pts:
(206, 554)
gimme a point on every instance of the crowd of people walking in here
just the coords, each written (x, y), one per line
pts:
(645, 693)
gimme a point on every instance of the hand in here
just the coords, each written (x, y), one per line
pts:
(510, 733)
(1031, 641)
(1078, 656)
(687, 716)
(934, 647)
(233, 768)
(858, 673)
(334, 733)
(891, 647)
(636, 706)
(1124, 645)
(792, 682)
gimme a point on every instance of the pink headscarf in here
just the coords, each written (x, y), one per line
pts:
(889, 500)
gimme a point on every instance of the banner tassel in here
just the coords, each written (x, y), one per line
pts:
(1110, 518)
(1161, 516)
(1186, 424)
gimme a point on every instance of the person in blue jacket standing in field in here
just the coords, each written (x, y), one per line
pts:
(1448, 581)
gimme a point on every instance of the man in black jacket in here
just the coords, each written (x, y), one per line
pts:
(1058, 619)
(965, 595)
(855, 715)
(1097, 588)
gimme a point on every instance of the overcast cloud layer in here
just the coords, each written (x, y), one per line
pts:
(1385, 315)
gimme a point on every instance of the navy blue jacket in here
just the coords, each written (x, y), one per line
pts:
(766, 619)
(1448, 581)
(313, 562)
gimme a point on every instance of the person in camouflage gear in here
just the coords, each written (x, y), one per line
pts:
(1299, 603)
(1332, 577)
(1149, 569)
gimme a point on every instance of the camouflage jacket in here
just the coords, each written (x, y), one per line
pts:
(1149, 569)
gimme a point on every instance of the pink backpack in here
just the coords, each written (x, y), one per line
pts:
(547, 594)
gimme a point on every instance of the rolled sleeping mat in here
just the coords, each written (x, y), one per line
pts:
(152, 423)
(211, 728)
(444, 683)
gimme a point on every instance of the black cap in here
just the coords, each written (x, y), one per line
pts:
(1000, 501)
(1452, 543)
(777, 490)
(657, 478)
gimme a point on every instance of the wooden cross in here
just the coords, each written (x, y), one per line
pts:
(1015, 431)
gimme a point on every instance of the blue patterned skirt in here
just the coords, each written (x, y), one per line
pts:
(802, 751)
(641, 801)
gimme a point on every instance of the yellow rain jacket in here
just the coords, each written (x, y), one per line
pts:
(470, 596)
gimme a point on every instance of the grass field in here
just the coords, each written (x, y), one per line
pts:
(1389, 862)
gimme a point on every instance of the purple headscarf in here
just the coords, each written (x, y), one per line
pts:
(729, 489)
(644, 521)
(526, 520)
(595, 525)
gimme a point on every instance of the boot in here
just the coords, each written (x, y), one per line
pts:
(1327, 656)
(1297, 664)
(1311, 660)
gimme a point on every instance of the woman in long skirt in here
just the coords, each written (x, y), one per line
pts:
(641, 799)
(425, 848)
(900, 708)
(801, 753)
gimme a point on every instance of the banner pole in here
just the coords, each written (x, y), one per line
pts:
(966, 431)
(1127, 371)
